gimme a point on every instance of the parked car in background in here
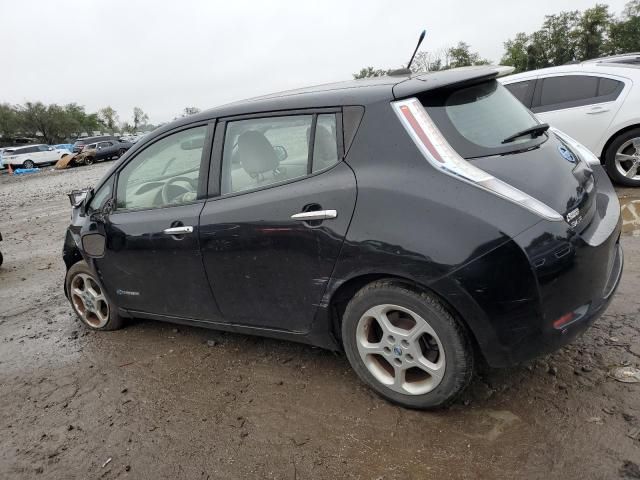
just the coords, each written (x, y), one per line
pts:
(30, 156)
(104, 150)
(2, 167)
(413, 221)
(596, 102)
(81, 142)
(64, 146)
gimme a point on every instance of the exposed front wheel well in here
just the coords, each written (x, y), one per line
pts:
(612, 139)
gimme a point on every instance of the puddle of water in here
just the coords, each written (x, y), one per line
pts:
(630, 210)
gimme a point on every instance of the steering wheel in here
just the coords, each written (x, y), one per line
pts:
(168, 196)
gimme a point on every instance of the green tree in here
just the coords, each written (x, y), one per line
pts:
(462, 56)
(139, 118)
(560, 37)
(624, 34)
(108, 118)
(190, 111)
(9, 121)
(516, 52)
(593, 26)
(368, 72)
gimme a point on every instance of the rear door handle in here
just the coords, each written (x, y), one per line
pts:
(178, 230)
(596, 110)
(315, 215)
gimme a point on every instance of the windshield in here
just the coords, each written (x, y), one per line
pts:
(476, 120)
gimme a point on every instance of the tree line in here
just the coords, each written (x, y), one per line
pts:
(61, 123)
(570, 36)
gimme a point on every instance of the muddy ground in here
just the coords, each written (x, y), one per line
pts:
(162, 401)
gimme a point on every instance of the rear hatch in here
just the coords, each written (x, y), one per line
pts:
(481, 121)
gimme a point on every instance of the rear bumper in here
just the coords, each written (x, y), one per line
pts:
(549, 338)
(511, 297)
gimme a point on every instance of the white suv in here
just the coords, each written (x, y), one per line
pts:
(28, 156)
(596, 103)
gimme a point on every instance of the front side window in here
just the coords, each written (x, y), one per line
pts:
(476, 120)
(101, 196)
(166, 173)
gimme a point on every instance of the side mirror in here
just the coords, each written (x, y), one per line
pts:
(77, 197)
(93, 244)
(281, 152)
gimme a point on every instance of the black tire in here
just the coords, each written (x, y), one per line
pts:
(610, 158)
(115, 321)
(1, 259)
(121, 152)
(28, 164)
(89, 160)
(458, 349)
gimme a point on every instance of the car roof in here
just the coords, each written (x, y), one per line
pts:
(15, 147)
(611, 68)
(93, 139)
(351, 92)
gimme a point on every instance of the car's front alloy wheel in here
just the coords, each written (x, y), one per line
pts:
(89, 300)
(406, 345)
(28, 164)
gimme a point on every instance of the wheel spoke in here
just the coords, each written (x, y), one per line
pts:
(623, 157)
(380, 314)
(77, 291)
(367, 348)
(435, 370)
(399, 378)
(632, 171)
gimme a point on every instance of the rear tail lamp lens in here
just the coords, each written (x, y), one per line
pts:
(442, 156)
(570, 317)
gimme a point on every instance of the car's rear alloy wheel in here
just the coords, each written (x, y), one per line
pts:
(88, 160)
(400, 349)
(89, 300)
(121, 152)
(28, 164)
(623, 158)
(406, 345)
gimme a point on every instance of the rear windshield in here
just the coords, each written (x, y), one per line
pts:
(78, 143)
(476, 119)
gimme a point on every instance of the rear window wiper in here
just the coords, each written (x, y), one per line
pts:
(534, 131)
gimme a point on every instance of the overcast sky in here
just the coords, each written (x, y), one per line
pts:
(165, 55)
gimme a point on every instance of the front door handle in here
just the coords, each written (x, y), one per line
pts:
(178, 230)
(315, 215)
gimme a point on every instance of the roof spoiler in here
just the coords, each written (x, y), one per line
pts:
(456, 76)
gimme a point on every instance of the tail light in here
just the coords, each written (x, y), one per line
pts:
(442, 156)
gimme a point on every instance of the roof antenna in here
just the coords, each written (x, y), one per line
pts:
(407, 71)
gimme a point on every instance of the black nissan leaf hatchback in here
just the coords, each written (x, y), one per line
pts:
(416, 222)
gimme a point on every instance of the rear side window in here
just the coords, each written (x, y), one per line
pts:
(476, 120)
(264, 151)
(568, 91)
